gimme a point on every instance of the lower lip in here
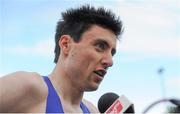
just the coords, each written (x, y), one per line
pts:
(98, 78)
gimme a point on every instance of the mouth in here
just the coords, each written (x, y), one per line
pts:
(101, 73)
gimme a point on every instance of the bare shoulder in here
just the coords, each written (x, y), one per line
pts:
(23, 80)
(18, 90)
(90, 106)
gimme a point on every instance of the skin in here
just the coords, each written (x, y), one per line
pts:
(73, 74)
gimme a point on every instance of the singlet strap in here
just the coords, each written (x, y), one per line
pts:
(84, 108)
(53, 104)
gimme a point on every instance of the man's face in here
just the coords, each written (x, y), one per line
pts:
(89, 59)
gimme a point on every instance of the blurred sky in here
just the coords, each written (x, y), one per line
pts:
(151, 41)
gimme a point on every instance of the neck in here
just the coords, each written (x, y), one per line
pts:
(68, 92)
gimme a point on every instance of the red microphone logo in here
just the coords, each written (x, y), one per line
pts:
(115, 108)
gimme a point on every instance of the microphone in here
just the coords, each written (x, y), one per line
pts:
(112, 103)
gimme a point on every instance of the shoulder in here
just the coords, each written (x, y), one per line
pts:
(21, 87)
(90, 106)
(23, 80)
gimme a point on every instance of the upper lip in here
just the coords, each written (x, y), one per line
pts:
(100, 72)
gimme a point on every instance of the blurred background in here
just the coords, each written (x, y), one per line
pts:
(147, 64)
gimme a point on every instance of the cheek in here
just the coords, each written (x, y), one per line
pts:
(89, 57)
(84, 60)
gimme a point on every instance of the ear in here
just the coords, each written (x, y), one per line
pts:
(65, 43)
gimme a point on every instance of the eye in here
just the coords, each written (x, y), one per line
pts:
(100, 46)
(113, 52)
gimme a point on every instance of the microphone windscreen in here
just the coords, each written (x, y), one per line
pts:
(106, 101)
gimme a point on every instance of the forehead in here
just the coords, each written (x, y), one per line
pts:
(99, 33)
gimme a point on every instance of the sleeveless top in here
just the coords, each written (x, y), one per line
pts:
(53, 104)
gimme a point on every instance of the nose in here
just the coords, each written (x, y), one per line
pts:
(107, 61)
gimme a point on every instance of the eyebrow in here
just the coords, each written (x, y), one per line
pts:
(113, 51)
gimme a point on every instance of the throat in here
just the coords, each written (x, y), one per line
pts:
(71, 108)
(66, 91)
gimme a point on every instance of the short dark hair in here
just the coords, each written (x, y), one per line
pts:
(76, 21)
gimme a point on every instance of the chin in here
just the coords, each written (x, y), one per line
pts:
(92, 88)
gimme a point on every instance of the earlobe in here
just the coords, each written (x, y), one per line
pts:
(64, 43)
